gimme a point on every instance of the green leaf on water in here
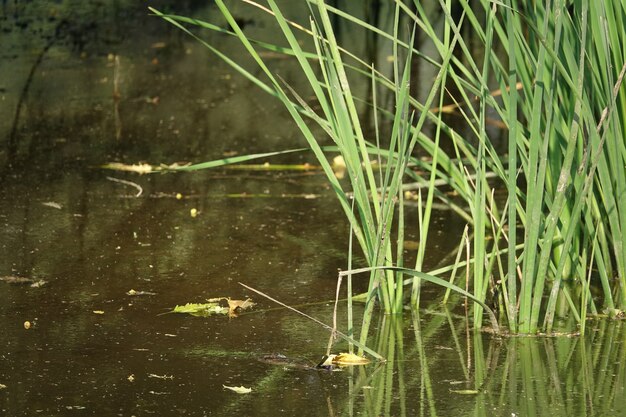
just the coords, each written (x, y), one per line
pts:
(220, 305)
(201, 309)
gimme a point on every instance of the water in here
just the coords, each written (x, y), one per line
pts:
(88, 240)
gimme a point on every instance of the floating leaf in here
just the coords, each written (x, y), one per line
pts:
(218, 305)
(52, 204)
(201, 310)
(332, 361)
(239, 390)
(238, 305)
(135, 293)
(160, 376)
(38, 284)
(349, 359)
(98, 312)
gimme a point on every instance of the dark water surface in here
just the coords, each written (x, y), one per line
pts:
(86, 240)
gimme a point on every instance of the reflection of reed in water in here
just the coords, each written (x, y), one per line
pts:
(117, 97)
(433, 370)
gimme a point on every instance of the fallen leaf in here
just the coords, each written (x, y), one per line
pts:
(135, 293)
(217, 305)
(131, 377)
(52, 204)
(160, 376)
(201, 310)
(98, 312)
(38, 284)
(350, 359)
(27, 325)
(234, 305)
(239, 390)
(2, 386)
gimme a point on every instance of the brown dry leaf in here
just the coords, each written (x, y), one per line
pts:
(238, 305)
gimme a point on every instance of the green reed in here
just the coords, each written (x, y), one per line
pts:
(549, 74)
(558, 75)
(375, 174)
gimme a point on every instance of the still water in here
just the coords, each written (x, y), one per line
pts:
(76, 341)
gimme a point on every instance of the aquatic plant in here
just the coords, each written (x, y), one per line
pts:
(557, 66)
(373, 204)
(548, 75)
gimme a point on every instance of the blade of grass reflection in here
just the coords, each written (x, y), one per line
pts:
(402, 387)
(427, 396)
(528, 376)
(553, 368)
(457, 343)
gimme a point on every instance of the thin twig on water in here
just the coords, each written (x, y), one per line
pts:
(132, 184)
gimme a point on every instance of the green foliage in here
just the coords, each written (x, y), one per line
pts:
(549, 72)
(201, 309)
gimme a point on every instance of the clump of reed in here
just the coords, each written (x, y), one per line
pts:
(549, 73)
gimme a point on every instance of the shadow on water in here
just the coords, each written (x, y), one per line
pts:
(91, 348)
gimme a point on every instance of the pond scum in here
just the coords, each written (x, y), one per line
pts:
(548, 74)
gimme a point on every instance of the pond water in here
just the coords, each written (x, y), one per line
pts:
(77, 341)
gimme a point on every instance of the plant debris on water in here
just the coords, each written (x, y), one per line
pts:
(141, 168)
(215, 306)
(10, 279)
(136, 293)
(239, 390)
(343, 359)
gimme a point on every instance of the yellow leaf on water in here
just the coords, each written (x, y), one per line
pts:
(350, 359)
(201, 310)
(98, 312)
(239, 390)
